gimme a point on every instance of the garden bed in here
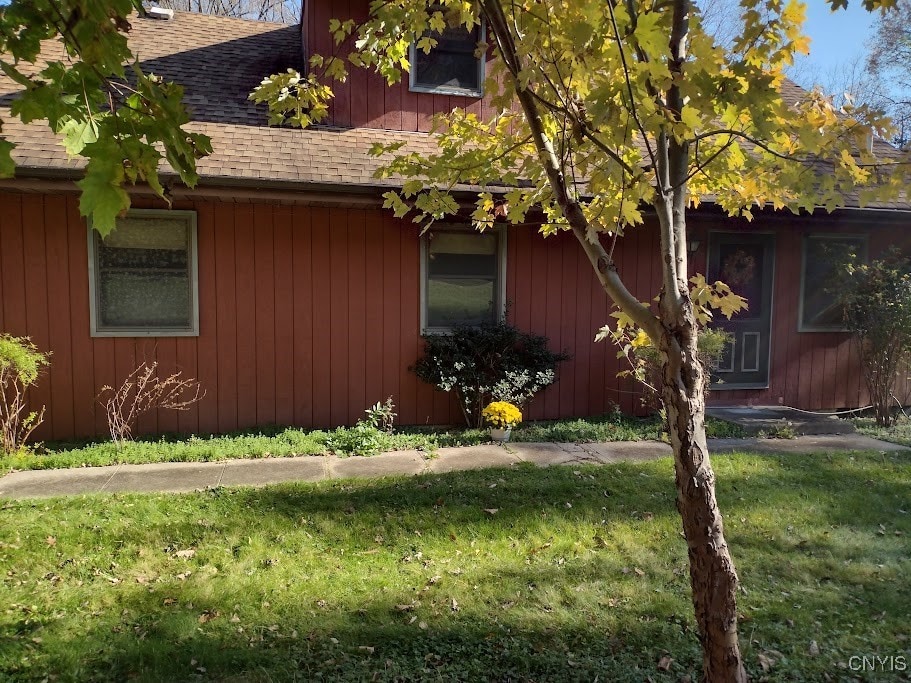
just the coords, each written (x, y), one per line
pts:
(284, 442)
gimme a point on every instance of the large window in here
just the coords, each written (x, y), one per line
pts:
(142, 276)
(463, 278)
(823, 259)
(451, 67)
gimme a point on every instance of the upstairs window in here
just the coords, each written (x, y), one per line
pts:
(142, 276)
(463, 279)
(451, 67)
(824, 258)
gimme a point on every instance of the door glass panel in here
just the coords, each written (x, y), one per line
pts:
(749, 361)
(740, 267)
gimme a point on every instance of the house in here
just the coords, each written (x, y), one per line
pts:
(284, 287)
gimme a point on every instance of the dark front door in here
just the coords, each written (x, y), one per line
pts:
(746, 263)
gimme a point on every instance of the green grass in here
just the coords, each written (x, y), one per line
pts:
(285, 442)
(557, 574)
(899, 433)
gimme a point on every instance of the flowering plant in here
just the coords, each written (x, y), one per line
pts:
(501, 414)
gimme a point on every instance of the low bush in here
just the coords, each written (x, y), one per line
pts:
(490, 362)
(21, 364)
(877, 310)
(142, 391)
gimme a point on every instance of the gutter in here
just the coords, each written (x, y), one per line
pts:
(233, 189)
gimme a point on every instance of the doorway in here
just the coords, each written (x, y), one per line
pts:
(746, 263)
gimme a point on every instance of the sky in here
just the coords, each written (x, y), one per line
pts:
(837, 37)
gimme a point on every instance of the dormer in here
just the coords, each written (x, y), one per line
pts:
(452, 67)
(449, 76)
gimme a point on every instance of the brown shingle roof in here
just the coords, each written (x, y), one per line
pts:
(219, 60)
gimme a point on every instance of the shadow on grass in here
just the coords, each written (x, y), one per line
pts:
(146, 635)
(562, 604)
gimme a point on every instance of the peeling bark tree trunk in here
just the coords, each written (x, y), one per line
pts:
(712, 575)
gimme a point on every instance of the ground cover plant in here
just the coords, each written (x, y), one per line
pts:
(290, 441)
(564, 573)
(899, 432)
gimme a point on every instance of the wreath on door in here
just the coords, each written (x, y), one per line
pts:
(739, 268)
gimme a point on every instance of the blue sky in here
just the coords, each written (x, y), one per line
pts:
(837, 37)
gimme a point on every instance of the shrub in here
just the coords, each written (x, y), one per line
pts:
(493, 361)
(143, 390)
(20, 365)
(382, 415)
(877, 310)
(371, 435)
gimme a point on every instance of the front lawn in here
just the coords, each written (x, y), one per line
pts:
(556, 574)
(283, 442)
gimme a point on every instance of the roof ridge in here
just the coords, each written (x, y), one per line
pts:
(216, 17)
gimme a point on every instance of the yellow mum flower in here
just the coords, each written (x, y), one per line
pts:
(501, 414)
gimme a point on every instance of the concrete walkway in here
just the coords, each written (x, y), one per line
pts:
(192, 476)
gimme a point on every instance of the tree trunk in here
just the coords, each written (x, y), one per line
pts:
(712, 575)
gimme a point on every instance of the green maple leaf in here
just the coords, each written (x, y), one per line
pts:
(78, 133)
(103, 199)
(7, 165)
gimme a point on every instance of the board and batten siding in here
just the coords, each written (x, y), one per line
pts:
(808, 370)
(308, 315)
(365, 99)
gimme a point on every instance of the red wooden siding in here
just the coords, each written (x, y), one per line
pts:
(365, 100)
(808, 370)
(308, 315)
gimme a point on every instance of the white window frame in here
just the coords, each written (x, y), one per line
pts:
(499, 287)
(413, 86)
(98, 330)
(820, 236)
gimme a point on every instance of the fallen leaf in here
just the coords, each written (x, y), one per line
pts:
(369, 649)
(51, 541)
(169, 601)
(423, 626)
(208, 616)
(491, 511)
(454, 606)
(234, 619)
(638, 571)
(765, 661)
(664, 664)
(185, 554)
(813, 650)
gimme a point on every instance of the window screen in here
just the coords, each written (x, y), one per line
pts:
(144, 279)
(462, 278)
(824, 257)
(451, 66)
